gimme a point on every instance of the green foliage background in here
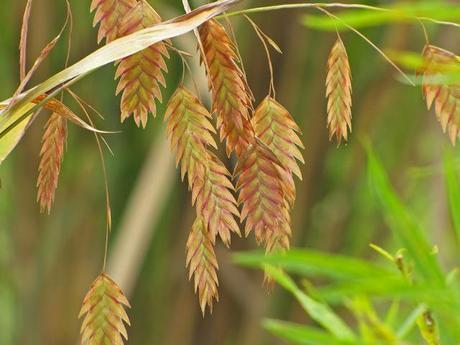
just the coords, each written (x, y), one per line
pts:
(48, 262)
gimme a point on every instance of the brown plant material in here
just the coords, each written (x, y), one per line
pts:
(109, 14)
(443, 94)
(202, 263)
(141, 74)
(103, 308)
(338, 92)
(51, 155)
(190, 134)
(232, 98)
(262, 194)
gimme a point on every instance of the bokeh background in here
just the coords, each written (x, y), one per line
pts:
(48, 262)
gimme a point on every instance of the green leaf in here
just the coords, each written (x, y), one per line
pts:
(453, 191)
(362, 18)
(403, 224)
(309, 262)
(303, 335)
(319, 312)
(18, 126)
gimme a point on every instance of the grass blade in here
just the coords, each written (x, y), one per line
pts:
(403, 224)
(310, 263)
(111, 52)
(453, 191)
(303, 335)
(319, 312)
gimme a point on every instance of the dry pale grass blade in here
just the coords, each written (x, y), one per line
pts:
(262, 194)
(109, 14)
(23, 41)
(232, 99)
(51, 155)
(41, 57)
(141, 74)
(103, 308)
(202, 263)
(444, 95)
(338, 92)
(190, 134)
(111, 52)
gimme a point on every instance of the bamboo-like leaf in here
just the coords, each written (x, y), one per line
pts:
(51, 155)
(444, 95)
(262, 194)
(103, 308)
(392, 13)
(202, 264)
(338, 92)
(141, 74)
(190, 134)
(304, 335)
(319, 312)
(14, 120)
(109, 14)
(231, 95)
(453, 191)
(14, 129)
(404, 225)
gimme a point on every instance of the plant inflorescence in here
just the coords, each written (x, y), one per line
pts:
(262, 138)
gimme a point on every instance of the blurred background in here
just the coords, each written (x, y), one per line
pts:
(48, 262)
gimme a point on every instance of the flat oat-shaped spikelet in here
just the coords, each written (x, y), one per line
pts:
(190, 134)
(231, 96)
(141, 74)
(444, 94)
(338, 92)
(51, 155)
(202, 263)
(276, 128)
(103, 308)
(262, 194)
(109, 14)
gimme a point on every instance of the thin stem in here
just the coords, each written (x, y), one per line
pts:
(271, 89)
(425, 32)
(369, 42)
(332, 5)
(304, 5)
(106, 184)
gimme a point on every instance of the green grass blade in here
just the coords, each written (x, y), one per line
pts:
(453, 191)
(362, 18)
(404, 226)
(18, 126)
(310, 262)
(303, 335)
(319, 312)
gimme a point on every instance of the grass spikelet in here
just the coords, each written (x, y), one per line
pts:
(262, 194)
(338, 92)
(109, 14)
(103, 308)
(443, 94)
(141, 74)
(276, 128)
(232, 98)
(190, 134)
(51, 155)
(202, 263)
